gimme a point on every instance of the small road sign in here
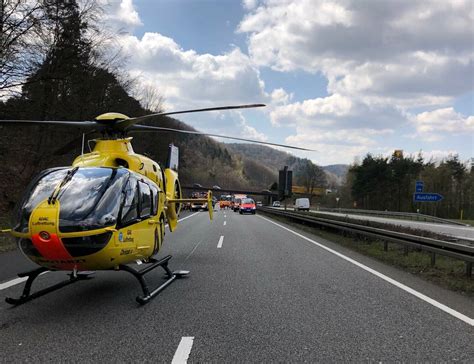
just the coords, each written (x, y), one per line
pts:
(419, 186)
(427, 197)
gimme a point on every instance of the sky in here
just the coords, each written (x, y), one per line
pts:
(342, 77)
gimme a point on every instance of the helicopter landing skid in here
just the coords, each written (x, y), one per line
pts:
(139, 275)
(32, 275)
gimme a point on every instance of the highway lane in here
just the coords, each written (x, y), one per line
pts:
(264, 295)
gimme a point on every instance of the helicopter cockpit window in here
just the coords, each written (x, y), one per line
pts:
(130, 202)
(145, 200)
(39, 190)
(155, 196)
(91, 200)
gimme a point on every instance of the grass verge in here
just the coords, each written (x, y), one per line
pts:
(447, 272)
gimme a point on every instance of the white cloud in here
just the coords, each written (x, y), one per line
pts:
(127, 13)
(337, 111)
(120, 15)
(249, 4)
(417, 52)
(249, 132)
(381, 59)
(188, 78)
(435, 124)
(280, 97)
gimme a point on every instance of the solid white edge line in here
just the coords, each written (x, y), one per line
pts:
(12, 282)
(15, 281)
(221, 240)
(421, 296)
(184, 349)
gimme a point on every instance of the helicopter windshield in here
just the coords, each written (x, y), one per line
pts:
(89, 200)
(39, 190)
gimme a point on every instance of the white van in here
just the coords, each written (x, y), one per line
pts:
(302, 204)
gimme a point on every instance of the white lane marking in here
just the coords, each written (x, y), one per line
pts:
(12, 283)
(187, 217)
(184, 349)
(421, 296)
(221, 240)
(16, 281)
(225, 223)
(184, 218)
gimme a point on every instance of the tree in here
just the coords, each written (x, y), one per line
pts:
(310, 175)
(19, 21)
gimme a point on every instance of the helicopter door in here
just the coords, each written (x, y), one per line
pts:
(146, 234)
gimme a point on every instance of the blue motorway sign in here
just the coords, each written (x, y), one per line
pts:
(427, 197)
(419, 186)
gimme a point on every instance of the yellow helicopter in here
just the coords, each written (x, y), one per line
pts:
(107, 210)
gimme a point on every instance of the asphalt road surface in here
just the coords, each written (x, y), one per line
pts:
(257, 292)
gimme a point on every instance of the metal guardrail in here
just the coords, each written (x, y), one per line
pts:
(451, 249)
(409, 215)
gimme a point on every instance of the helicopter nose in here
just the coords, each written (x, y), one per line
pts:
(50, 246)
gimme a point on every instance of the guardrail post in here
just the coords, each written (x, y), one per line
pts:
(469, 269)
(433, 259)
(385, 246)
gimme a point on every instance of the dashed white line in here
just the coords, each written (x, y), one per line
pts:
(421, 296)
(184, 349)
(221, 240)
(225, 223)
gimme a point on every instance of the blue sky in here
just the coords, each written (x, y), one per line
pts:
(343, 77)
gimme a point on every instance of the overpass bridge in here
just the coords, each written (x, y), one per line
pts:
(229, 191)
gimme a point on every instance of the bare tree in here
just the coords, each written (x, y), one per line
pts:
(149, 97)
(19, 19)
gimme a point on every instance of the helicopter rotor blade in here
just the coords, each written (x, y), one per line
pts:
(146, 128)
(81, 124)
(124, 124)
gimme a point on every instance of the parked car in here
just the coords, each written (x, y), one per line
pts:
(196, 206)
(247, 205)
(302, 204)
(276, 204)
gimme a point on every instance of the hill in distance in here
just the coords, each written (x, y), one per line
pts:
(275, 160)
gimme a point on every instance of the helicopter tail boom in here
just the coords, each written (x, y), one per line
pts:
(207, 200)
